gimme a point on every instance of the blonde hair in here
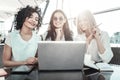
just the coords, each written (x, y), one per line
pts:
(90, 18)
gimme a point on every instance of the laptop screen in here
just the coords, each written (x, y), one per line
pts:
(61, 55)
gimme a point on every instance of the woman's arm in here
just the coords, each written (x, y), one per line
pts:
(97, 35)
(7, 58)
(100, 45)
(106, 51)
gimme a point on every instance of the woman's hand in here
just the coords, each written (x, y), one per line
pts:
(96, 32)
(93, 34)
(31, 60)
(89, 38)
(59, 34)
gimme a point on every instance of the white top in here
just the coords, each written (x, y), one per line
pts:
(22, 49)
(93, 49)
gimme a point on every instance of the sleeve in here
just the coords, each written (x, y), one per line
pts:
(8, 40)
(108, 54)
(43, 36)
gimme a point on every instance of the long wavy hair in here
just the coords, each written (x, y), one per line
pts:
(51, 31)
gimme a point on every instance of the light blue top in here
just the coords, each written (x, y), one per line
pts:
(21, 49)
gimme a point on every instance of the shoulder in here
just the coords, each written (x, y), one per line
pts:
(104, 36)
(36, 36)
(12, 34)
(104, 33)
(80, 37)
(10, 37)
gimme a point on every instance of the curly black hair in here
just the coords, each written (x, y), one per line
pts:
(26, 12)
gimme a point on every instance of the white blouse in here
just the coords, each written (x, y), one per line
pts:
(93, 49)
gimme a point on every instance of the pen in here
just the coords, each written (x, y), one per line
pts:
(98, 24)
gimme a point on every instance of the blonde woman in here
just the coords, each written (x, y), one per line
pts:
(97, 41)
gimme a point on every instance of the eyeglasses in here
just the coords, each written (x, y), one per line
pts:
(60, 19)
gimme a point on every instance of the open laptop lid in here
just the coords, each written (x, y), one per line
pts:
(61, 55)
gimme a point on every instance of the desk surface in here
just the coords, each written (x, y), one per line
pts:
(115, 75)
(78, 75)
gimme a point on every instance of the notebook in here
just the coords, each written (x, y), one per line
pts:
(61, 55)
(100, 66)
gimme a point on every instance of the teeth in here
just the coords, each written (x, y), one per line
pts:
(32, 24)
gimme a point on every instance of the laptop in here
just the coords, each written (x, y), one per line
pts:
(61, 55)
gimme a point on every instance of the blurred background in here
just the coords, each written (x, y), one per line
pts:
(106, 12)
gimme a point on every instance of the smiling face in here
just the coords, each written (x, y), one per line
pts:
(32, 21)
(58, 20)
(85, 22)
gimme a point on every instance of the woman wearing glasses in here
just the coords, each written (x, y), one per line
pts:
(58, 27)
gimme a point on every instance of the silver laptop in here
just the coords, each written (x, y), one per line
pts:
(61, 55)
